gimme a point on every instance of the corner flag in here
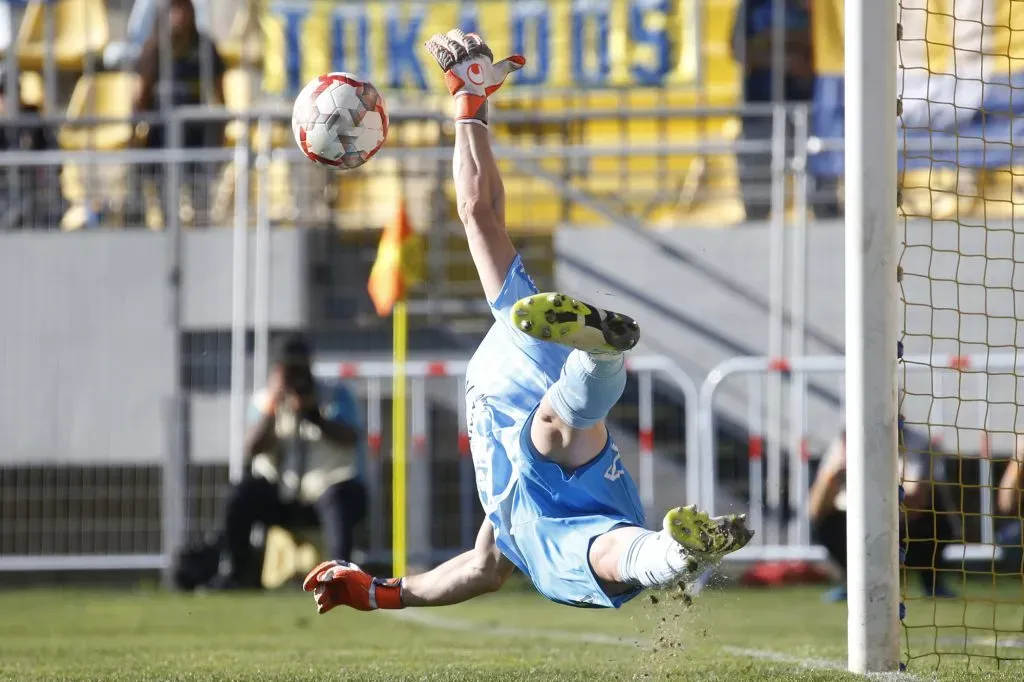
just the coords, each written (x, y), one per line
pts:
(398, 265)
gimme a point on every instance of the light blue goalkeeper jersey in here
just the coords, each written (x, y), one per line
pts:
(544, 517)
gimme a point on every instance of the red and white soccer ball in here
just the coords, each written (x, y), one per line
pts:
(339, 120)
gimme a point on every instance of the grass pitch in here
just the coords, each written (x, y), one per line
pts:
(733, 634)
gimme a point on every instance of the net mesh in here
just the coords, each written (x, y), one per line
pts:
(961, 69)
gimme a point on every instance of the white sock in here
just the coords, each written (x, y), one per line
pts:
(654, 559)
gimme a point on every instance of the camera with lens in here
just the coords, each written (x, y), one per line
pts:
(299, 379)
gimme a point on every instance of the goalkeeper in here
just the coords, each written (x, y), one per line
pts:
(559, 505)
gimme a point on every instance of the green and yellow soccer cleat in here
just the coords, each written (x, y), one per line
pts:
(561, 319)
(708, 536)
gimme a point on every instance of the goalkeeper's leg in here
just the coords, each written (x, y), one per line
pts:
(689, 541)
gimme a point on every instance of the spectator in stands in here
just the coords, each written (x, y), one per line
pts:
(31, 195)
(196, 73)
(828, 106)
(919, 471)
(306, 446)
(752, 48)
(1008, 504)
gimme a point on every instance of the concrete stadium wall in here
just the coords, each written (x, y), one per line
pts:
(89, 344)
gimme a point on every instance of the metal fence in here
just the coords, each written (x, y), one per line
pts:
(95, 515)
(953, 400)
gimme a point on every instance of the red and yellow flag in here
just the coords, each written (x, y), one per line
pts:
(399, 263)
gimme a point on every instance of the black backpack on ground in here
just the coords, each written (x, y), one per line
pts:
(196, 565)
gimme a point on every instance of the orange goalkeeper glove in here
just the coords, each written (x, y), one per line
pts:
(470, 72)
(340, 583)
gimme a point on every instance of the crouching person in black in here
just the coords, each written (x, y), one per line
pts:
(306, 446)
(922, 522)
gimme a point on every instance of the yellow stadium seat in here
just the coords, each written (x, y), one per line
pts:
(238, 97)
(655, 187)
(31, 89)
(1000, 194)
(80, 31)
(239, 94)
(244, 44)
(367, 198)
(723, 74)
(665, 186)
(102, 95)
(933, 193)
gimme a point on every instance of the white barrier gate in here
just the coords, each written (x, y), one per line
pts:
(933, 406)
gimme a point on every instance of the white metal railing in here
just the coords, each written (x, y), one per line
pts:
(701, 461)
(758, 369)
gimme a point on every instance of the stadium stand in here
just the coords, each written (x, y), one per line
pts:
(239, 96)
(962, 106)
(106, 95)
(301, 41)
(80, 30)
(660, 187)
(243, 44)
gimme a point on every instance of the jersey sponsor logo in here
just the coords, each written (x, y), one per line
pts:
(522, 273)
(475, 74)
(616, 470)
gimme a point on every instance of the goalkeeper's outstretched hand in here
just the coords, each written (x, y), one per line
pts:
(470, 72)
(340, 583)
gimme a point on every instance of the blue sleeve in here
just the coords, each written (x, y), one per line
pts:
(343, 408)
(518, 284)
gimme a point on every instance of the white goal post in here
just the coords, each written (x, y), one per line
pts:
(871, 336)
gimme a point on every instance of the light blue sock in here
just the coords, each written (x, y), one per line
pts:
(588, 388)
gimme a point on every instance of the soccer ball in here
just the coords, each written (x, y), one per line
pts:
(339, 120)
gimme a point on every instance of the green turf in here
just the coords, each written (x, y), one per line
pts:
(724, 635)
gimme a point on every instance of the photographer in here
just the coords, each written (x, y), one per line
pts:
(922, 522)
(306, 459)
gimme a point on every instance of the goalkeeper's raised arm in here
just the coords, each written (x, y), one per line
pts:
(472, 76)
